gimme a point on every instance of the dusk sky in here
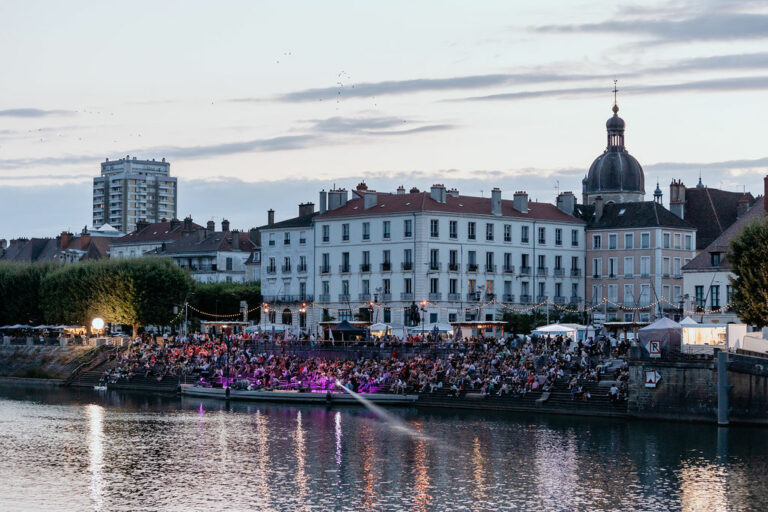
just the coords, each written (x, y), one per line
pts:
(259, 105)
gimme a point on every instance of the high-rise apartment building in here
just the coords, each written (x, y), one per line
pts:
(130, 190)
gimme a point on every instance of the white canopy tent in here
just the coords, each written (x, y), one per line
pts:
(554, 330)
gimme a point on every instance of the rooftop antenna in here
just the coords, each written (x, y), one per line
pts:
(557, 186)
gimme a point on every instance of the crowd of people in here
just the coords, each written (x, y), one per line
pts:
(489, 366)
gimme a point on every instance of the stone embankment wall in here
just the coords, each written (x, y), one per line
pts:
(43, 361)
(688, 389)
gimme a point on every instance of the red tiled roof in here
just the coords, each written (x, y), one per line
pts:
(711, 211)
(388, 203)
(156, 232)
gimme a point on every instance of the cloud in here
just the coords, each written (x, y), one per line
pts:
(748, 83)
(45, 177)
(726, 165)
(372, 126)
(708, 26)
(34, 112)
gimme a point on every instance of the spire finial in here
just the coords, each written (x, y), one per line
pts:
(615, 90)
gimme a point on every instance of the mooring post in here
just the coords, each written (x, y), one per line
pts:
(722, 388)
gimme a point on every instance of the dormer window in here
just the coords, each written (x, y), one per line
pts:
(715, 258)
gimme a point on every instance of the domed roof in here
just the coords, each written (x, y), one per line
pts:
(615, 123)
(615, 171)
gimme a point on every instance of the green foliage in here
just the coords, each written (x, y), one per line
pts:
(523, 323)
(749, 263)
(225, 298)
(20, 292)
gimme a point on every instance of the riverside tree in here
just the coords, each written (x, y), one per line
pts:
(749, 263)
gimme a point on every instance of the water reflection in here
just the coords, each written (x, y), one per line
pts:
(301, 472)
(95, 439)
(421, 487)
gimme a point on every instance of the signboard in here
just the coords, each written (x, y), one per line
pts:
(654, 348)
(652, 377)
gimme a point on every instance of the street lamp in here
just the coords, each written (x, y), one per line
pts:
(97, 324)
(423, 317)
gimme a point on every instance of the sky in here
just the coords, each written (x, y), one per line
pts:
(261, 104)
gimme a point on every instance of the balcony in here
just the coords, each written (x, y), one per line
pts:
(386, 297)
(435, 296)
(645, 274)
(364, 297)
(559, 300)
(490, 296)
(365, 267)
(271, 270)
(454, 296)
(628, 275)
(345, 269)
(677, 275)
(509, 269)
(542, 271)
(301, 269)
(453, 267)
(541, 298)
(285, 299)
(386, 266)
(471, 267)
(406, 296)
(575, 272)
(597, 276)
(575, 299)
(525, 271)
(407, 265)
(325, 269)
(324, 297)
(559, 272)
(286, 269)
(473, 296)
(490, 268)
(435, 266)
(525, 299)
(508, 297)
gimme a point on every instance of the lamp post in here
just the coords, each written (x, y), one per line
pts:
(423, 317)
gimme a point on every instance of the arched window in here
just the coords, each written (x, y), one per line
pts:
(287, 317)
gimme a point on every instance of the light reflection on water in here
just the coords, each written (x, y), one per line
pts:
(64, 450)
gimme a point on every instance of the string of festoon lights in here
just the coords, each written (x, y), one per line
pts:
(265, 307)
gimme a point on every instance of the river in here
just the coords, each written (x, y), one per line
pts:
(110, 451)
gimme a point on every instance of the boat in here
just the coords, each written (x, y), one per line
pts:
(296, 396)
(100, 388)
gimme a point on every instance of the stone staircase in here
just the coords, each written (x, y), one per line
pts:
(169, 384)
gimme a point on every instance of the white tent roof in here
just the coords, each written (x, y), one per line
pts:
(554, 329)
(442, 327)
(661, 323)
(689, 321)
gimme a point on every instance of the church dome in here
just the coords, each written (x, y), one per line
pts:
(615, 171)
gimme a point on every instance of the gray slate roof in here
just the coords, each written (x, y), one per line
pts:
(645, 214)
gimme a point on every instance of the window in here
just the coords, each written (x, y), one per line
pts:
(558, 237)
(434, 228)
(326, 287)
(558, 264)
(728, 294)
(597, 242)
(453, 259)
(665, 240)
(645, 266)
(408, 228)
(303, 238)
(326, 233)
(645, 294)
(287, 264)
(408, 285)
(407, 259)
(345, 262)
(287, 238)
(677, 267)
(302, 263)
(542, 236)
(688, 242)
(326, 266)
(271, 239)
(229, 263)
(387, 315)
(365, 286)
(714, 258)
(714, 293)
(489, 232)
(613, 241)
(629, 266)
(345, 287)
(629, 240)
(507, 232)
(645, 240)
(597, 293)
(613, 292)
(345, 232)
(678, 242)
(700, 303)
(613, 267)
(452, 286)
(453, 228)
(366, 265)
(629, 295)
(524, 234)
(665, 267)
(678, 293)
(386, 229)
(366, 230)
(575, 265)
(574, 237)
(434, 285)
(470, 230)
(386, 286)
(489, 266)
(434, 259)
(472, 257)
(508, 262)
(597, 267)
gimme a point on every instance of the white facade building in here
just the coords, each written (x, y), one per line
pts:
(455, 252)
(287, 263)
(131, 190)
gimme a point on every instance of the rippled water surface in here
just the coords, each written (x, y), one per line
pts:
(69, 450)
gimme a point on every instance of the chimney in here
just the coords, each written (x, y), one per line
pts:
(85, 240)
(401, 190)
(141, 224)
(677, 198)
(306, 209)
(334, 199)
(323, 201)
(454, 192)
(3, 244)
(270, 217)
(598, 208)
(361, 186)
(414, 190)
(343, 196)
(496, 201)
(65, 239)
(254, 236)
(369, 200)
(566, 202)
(188, 223)
(437, 193)
(175, 223)
(520, 201)
(235, 240)
(210, 226)
(225, 225)
(742, 206)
